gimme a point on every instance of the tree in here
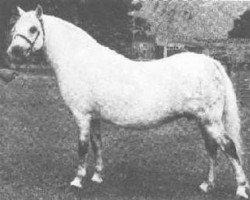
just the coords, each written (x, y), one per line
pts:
(181, 20)
(241, 26)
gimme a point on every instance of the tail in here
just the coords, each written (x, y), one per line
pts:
(231, 117)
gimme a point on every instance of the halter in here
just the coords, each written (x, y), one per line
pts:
(32, 43)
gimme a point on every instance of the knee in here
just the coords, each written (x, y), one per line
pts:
(83, 147)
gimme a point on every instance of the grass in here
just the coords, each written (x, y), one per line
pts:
(38, 153)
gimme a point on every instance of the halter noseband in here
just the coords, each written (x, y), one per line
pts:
(32, 43)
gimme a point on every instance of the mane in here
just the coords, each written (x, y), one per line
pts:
(81, 36)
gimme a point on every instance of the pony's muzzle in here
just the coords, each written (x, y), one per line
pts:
(17, 53)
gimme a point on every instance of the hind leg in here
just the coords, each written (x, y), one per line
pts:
(96, 143)
(212, 148)
(216, 130)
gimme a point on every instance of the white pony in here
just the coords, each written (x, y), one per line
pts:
(97, 83)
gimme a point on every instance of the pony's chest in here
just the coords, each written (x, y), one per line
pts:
(73, 89)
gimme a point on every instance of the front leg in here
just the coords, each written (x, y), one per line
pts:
(83, 121)
(96, 142)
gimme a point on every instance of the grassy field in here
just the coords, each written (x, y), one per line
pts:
(38, 153)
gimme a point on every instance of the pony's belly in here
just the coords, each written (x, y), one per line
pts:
(135, 117)
(138, 113)
(132, 122)
(145, 110)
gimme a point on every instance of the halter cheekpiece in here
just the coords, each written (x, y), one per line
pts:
(32, 43)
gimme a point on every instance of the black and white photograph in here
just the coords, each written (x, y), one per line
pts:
(124, 99)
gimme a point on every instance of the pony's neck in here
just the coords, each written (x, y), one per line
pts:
(64, 40)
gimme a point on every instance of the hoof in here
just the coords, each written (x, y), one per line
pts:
(76, 183)
(206, 187)
(241, 192)
(97, 178)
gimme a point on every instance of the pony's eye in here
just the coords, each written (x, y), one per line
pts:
(33, 29)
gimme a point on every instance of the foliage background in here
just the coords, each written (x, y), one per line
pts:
(180, 20)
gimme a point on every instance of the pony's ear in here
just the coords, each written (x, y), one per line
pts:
(39, 11)
(20, 11)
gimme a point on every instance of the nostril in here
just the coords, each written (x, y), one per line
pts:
(17, 51)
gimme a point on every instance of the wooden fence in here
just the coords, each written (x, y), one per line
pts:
(242, 80)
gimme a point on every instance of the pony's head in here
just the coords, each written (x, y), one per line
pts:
(27, 35)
